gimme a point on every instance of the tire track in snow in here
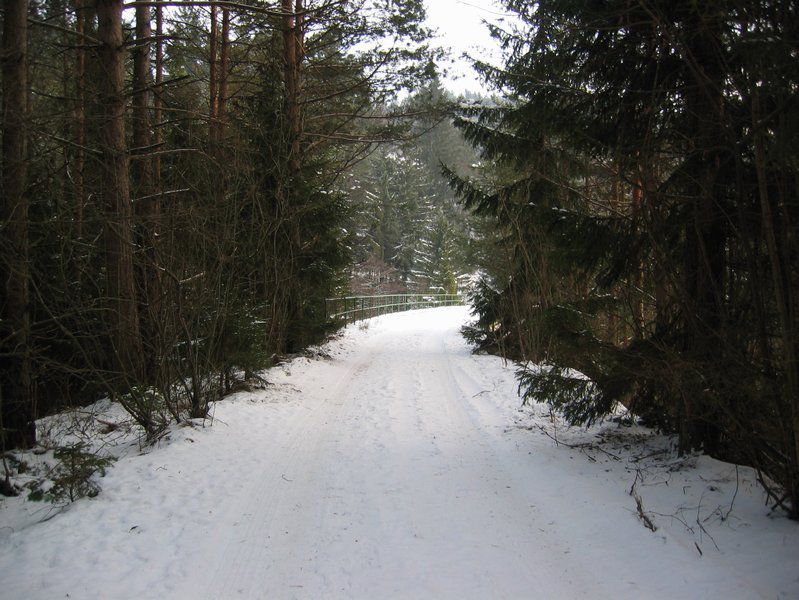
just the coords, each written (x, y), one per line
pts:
(404, 485)
(247, 555)
(415, 473)
(509, 505)
(404, 478)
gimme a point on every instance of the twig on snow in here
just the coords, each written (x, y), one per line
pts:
(732, 502)
(639, 504)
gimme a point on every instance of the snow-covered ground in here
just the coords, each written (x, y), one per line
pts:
(396, 464)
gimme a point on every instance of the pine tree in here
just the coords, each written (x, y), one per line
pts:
(178, 217)
(17, 407)
(636, 202)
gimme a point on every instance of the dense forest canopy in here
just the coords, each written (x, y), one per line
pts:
(184, 183)
(174, 201)
(643, 174)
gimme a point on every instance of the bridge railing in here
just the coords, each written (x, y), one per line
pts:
(354, 308)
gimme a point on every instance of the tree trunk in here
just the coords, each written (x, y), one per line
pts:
(782, 297)
(292, 48)
(219, 107)
(637, 295)
(115, 193)
(148, 207)
(157, 103)
(285, 295)
(142, 86)
(213, 77)
(16, 392)
(223, 75)
(80, 117)
(705, 235)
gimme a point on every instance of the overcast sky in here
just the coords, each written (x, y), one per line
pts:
(461, 30)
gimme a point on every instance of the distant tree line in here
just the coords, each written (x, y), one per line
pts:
(172, 212)
(410, 232)
(644, 176)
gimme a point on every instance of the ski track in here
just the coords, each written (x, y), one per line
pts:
(388, 472)
(393, 471)
(400, 483)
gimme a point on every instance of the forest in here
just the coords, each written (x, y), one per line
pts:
(177, 190)
(184, 183)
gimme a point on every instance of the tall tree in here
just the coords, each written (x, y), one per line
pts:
(81, 17)
(17, 400)
(656, 102)
(147, 198)
(206, 247)
(123, 317)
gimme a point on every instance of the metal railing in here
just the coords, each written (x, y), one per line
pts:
(354, 308)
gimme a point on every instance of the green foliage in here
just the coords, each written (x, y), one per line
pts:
(635, 175)
(242, 237)
(239, 342)
(74, 476)
(580, 400)
(147, 406)
(406, 215)
(486, 333)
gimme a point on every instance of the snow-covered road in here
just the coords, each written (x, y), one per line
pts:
(396, 467)
(392, 485)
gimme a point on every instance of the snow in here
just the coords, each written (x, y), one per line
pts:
(393, 463)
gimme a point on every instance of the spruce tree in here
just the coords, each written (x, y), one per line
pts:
(641, 188)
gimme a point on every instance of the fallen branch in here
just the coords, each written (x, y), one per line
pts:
(582, 447)
(639, 504)
(732, 502)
